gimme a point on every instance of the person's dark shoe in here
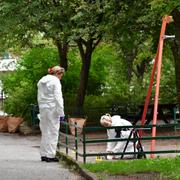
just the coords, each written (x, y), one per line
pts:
(43, 158)
(52, 159)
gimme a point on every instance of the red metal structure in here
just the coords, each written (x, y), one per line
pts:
(156, 70)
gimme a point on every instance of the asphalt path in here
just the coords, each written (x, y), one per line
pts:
(20, 160)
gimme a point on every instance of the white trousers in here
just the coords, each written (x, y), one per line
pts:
(49, 126)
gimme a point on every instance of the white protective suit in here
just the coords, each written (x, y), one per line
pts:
(116, 147)
(51, 107)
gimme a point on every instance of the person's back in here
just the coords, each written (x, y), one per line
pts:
(46, 86)
(118, 121)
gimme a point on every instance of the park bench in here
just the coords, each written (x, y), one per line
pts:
(176, 118)
(34, 111)
(130, 112)
(165, 112)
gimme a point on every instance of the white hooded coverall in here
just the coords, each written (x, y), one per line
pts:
(116, 147)
(51, 107)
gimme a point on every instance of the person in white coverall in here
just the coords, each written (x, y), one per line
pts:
(118, 146)
(51, 109)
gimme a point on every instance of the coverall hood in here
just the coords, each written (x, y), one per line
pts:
(45, 79)
(106, 120)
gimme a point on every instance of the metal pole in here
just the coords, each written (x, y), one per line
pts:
(76, 141)
(165, 20)
(149, 93)
(84, 145)
(127, 142)
(66, 126)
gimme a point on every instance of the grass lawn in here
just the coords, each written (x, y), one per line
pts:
(167, 167)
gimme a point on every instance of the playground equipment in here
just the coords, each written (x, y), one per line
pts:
(156, 67)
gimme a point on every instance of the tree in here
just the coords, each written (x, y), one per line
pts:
(125, 28)
(159, 9)
(133, 24)
(176, 50)
(63, 22)
(88, 35)
(22, 20)
(21, 86)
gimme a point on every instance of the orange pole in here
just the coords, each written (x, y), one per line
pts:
(146, 104)
(149, 91)
(165, 20)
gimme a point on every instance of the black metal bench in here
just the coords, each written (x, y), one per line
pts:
(165, 112)
(34, 110)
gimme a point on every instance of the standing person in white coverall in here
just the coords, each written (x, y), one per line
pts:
(118, 146)
(51, 108)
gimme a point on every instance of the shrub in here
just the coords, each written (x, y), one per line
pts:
(20, 86)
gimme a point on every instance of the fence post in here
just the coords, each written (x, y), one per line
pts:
(134, 143)
(84, 145)
(76, 141)
(66, 137)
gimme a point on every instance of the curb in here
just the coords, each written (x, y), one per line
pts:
(72, 163)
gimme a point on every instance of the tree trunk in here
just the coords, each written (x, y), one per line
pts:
(140, 69)
(83, 81)
(62, 51)
(86, 62)
(129, 57)
(176, 51)
(86, 49)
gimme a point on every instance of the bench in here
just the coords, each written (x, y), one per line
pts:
(165, 112)
(176, 118)
(34, 110)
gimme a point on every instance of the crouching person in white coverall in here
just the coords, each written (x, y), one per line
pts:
(51, 108)
(118, 146)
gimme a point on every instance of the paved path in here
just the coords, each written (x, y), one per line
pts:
(20, 160)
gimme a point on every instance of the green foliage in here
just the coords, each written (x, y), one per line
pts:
(103, 56)
(27, 18)
(71, 77)
(168, 93)
(107, 81)
(135, 30)
(110, 75)
(20, 86)
(113, 87)
(98, 71)
(164, 7)
(165, 166)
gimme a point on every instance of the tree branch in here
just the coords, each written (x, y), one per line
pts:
(97, 42)
(83, 41)
(80, 46)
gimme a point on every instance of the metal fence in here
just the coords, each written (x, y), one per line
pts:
(81, 140)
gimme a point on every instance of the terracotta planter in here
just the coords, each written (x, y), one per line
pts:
(3, 124)
(80, 123)
(13, 123)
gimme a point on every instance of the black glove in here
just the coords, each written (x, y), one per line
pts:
(62, 119)
(118, 132)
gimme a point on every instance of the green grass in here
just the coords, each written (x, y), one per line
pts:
(167, 167)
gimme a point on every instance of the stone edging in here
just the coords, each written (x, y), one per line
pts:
(71, 162)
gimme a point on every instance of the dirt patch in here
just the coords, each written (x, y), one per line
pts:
(140, 176)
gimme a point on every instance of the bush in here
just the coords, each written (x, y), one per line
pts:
(21, 86)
